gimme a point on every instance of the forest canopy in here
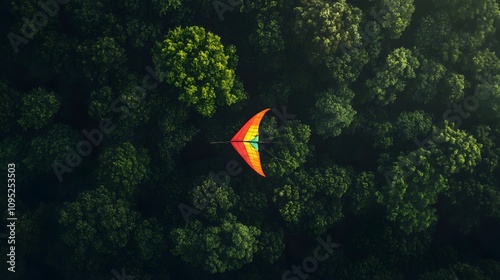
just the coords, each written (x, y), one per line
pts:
(381, 148)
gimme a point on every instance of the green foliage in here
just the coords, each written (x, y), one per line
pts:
(412, 124)
(333, 111)
(268, 35)
(123, 167)
(100, 103)
(200, 67)
(392, 78)
(101, 59)
(174, 131)
(38, 108)
(185, 12)
(489, 93)
(225, 246)
(95, 15)
(51, 146)
(396, 16)
(481, 16)
(140, 24)
(271, 245)
(491, 152)
(361, 194)
(324, 26)
(413, 186)
(428, 79)
(383, 132)
(347, 67)
(471, 200)
(293, 151)
(457, 152)
(454, 86)
(213, 199)
(56, 51)
(151, 241)
(435, 35)
(483, 64)
(311, 202)
(96, 226)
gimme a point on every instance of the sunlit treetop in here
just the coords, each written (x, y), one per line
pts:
(199, 67)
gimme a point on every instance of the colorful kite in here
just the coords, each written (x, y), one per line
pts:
(246, 142)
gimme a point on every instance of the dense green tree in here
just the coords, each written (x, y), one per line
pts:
(95, 18)
(137, 102)
(101, 59)
(12, 149)
(225, 246)
(290, 150)
(214, 200)
(369, 268)
(456, 150)
(394, 16)
(383, 135)
(490, 158)
(436, 36)
(96, 226)
(472, 200)
(54, 145)
(488, 93)
(174, 131)
(268, 35)
(123, 167)
(271, 245)
(347, 67)
(56, 51)
(412, 124)
(480, 16)
(392, 77)
(200, 67)
(38, 108)
(483, 64)
(413, 186)
(333, 111)
(416, 179)
(311, 202)
(430, 74)
(398, 247)
(151, 241)
(454, 88)
(324, 26)
(141, 23)
(361, 195)
(100, 103)
(186, 12)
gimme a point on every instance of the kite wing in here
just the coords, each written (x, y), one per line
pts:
(246, 142)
